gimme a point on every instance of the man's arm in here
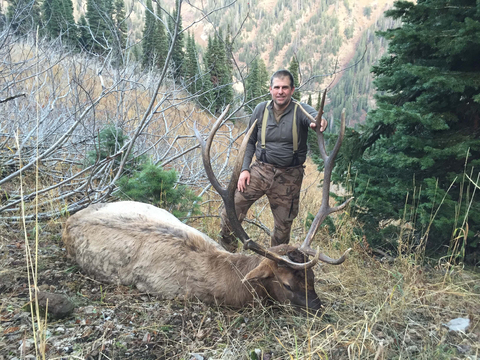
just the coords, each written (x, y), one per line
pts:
(244, 178)
(252, 142)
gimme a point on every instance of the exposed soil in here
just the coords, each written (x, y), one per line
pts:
(117, 322)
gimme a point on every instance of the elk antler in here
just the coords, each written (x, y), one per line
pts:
(325, 209)
(228, 196)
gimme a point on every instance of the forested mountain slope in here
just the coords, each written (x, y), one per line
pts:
(325, 36)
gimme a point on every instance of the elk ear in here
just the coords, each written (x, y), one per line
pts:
(263, 271)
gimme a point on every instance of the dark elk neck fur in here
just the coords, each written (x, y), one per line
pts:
(231, 270)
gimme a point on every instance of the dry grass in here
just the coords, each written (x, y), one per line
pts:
(373, 309)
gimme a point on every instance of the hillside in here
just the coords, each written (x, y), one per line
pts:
(324, 36)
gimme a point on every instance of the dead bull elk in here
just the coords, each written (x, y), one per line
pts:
(132, 243)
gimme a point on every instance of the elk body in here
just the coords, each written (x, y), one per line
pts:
(132, 243)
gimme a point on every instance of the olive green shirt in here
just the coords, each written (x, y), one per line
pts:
(278, 137)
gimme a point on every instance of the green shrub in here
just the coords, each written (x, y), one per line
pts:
(158, 187)
(110, 140)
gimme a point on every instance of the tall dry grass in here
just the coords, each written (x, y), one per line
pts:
(375, 307)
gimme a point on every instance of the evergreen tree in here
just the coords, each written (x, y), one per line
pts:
(3, 19)
(192, 73)
(208, 97)
(136, 52)
(120, 27)
(178, 54)
(229, 48)
(99, 15)
(217, 65)
(319, 100)
(160, 40)
(148, 43)
(24, 16)
(309, 101)
(256, 83)
(84, 38)
(58, 19)
(294, 67)
(423, 139)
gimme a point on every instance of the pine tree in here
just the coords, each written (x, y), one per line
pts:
(309, 101)
(224, 75)
(24, 16)
(256, 83)
(99, 16)
(120, 33)
(294, 67)
(160, 40)
(58, 20)
(84, 38)
(148, 43)
(178, 54)
(319, 100)
(208, 97)
(217, 65)
(424, 137)
(3, 19)
(192, 73)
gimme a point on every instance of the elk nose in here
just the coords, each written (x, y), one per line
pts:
(314, 302)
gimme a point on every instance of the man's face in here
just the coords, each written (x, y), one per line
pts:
(281, 91)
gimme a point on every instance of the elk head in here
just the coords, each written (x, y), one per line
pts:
(286, 272)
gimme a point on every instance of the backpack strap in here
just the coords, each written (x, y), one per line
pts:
(263, 155)
(295, 136)
(294, 133)
(264, 123)
(294, 129)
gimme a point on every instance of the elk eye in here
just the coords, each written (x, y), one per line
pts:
(287, 287)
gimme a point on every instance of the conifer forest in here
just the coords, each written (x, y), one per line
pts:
(103, 100)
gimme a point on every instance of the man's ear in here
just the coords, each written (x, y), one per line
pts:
(264, 270)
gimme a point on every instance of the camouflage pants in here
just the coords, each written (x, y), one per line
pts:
(282, 187)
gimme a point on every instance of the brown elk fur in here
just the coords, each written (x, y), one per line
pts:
(132, 243)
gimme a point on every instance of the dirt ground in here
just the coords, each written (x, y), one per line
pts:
(373, 308)
(116, 322)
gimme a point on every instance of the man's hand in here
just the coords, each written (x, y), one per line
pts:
(323, 125)
(243, 180)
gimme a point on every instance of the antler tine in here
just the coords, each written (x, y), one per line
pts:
(318, 120)
(325, 258)
(282, 261)
(325, 209)
(227, 194)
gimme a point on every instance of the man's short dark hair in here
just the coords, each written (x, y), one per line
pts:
(282, 74)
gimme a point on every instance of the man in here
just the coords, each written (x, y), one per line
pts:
(280, 152)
